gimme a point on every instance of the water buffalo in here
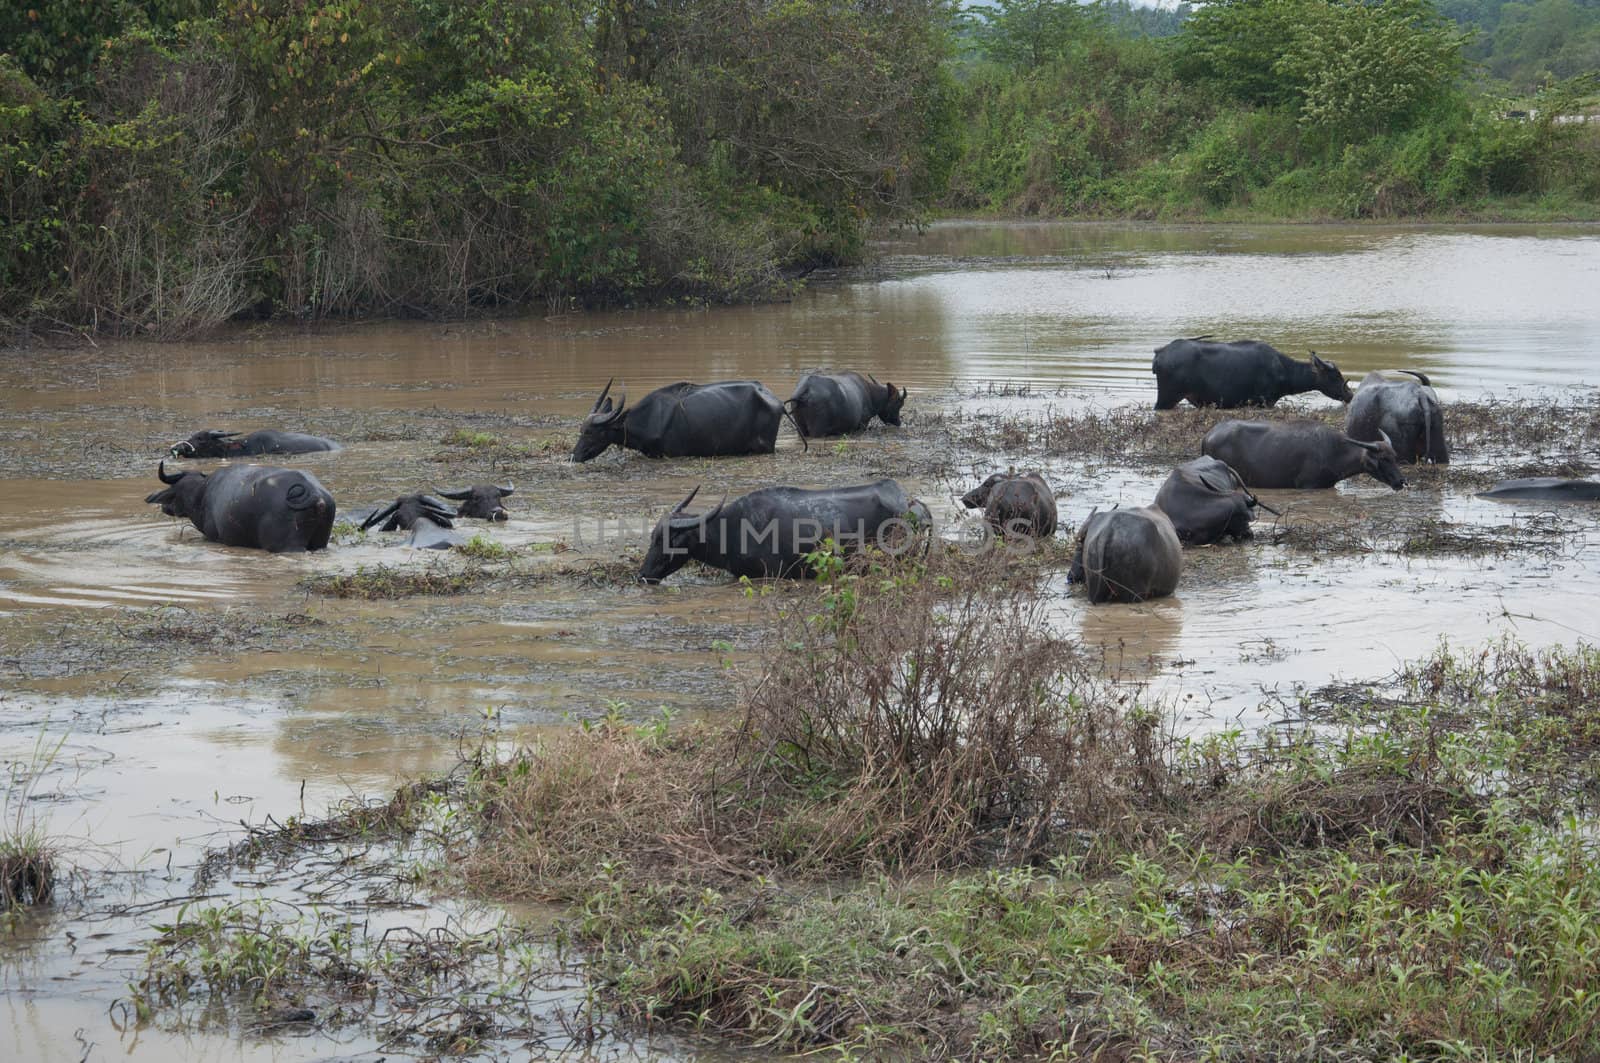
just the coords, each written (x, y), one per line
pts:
(836, 404)
(1299, 454)
(769, 532)
(428, 519)
(1242, 373)
(1015, 504)
(281, 510)
(1545, 489)
(1207, 502)
(481, 500)
(214, 444)
(1407, 411)
(685, 420)
(1127, 555)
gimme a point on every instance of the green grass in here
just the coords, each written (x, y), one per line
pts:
(465, 437)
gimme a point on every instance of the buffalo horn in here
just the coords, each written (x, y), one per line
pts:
(679, 507)
(457, 496)
(1386, 440)
(381, 515)
(161, 471)
(505, 489)
(603, 393)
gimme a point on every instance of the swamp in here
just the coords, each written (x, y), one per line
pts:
(1335, 799)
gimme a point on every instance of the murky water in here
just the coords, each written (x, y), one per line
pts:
(193, 685)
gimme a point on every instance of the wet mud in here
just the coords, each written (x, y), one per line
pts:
(193, 686)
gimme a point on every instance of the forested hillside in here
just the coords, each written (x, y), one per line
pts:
(169, 164)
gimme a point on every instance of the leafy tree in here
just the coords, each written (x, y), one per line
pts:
(1361, 67)
(1029, 33)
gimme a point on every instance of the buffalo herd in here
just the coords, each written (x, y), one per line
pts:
(1119, 555)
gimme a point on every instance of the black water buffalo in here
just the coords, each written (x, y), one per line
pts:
(1545, 489)
(836, 404)
(1127, 555)
(685, 420)
(1407, 411)
(481, 500)
(429, 521)
(1242, 373)
(1299, 454)
(214, 444)
(1207, 502)
(281, 510)
(769, 532)
(1015, 504)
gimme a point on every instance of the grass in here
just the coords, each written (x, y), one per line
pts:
(374, 582)
(482, 548)
(29, 856)
(466, 437)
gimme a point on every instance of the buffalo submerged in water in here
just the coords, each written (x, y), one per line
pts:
(1208, 502)
(1127, 555)
(1544, 489)
(1241, 373)
(767, 533)
(428, 519)
(1403, 407)
(1015, 504)
(685, 420)
(214, 444)
(1302, 454)
(259, 506)
(836, 404)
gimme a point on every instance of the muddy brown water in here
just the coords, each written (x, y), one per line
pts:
(192, 686)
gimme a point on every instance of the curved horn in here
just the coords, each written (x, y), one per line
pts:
(679, 507)
(872, 378)
(714, 510)
(1386, 440)
(505, 489)
(456, 496)
(604, 391)
(161, 471)
(1423, 377)
(381, 516)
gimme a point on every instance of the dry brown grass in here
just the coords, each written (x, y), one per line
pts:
(902, 719)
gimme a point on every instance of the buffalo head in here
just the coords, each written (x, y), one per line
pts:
(1329, 380)
(481, 501)
(889, 402)
(1379, 460)
(603, 427)
(207, 444)
(674, 536)
(183, 494)
(978, 497)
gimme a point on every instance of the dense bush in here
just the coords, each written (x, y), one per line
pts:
(168, 166)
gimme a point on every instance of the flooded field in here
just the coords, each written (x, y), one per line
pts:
(157, 690)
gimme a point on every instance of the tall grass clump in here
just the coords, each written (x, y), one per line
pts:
(28, 855)
(907, 717)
